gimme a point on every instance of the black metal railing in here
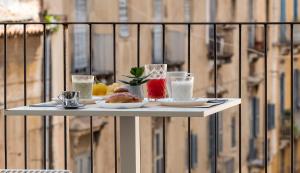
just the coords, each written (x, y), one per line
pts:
(214, 25)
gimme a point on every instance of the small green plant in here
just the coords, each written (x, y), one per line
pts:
(136, 77)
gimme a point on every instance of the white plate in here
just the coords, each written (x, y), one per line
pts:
(192, 102)
(120, 105)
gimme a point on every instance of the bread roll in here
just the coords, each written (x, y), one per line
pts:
(124, 97)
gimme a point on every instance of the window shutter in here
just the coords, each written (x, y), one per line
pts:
(103, 53)
(157, 45)
(123, 15)
(194, 151)
(220, 132)
(252, 149)
(282, 97)
(229, 166)
(251, 28)
(80, 51)
(211, 135)
(296, 89)
(282, 35)
(83, 163)
(255, 116)
(187, 10)
(233, 132)
(295, 10)
(271, 116)
(175, 48)
(211, 143)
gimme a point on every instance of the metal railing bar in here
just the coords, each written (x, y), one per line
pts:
(65, 27)
(266, 97)
(5, 95)
(189, 118)
(25, 92)
(44, 99)
(91, 117)
(240, 96)
(115, 79)
(164, 118)
(292, 97)
(215, 91)
(138, 45)
(155, 23)
(138, 65)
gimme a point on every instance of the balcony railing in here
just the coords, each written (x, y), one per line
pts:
(214, 54)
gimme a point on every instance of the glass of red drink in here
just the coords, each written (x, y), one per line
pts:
(156, 86)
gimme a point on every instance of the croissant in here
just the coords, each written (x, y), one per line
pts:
(123, 97)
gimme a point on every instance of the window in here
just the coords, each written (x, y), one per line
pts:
(271, 116)
(282, 97)
(187, 10)
(251, 28)
(80, 51)
(124, 32)
(282, 35)
(83, 163)
(296, 90)
(233, 132)
(220, 132)
(103, 53)
(194, 151)
(158, 151)
(175, 48)
(269, 150)
(229, 166)
(254, 117)
(211, 143)
(157, 33)
(295, 15)
(252, 149)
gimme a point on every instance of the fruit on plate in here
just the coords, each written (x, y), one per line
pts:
(99, 89)
(123, 97)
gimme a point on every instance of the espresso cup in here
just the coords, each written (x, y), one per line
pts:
(69, 98)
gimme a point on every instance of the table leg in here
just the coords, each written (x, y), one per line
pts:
(129, 145)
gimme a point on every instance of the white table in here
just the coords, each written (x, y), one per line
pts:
(129, 123)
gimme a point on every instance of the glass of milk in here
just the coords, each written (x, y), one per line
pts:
(83, 84)
(182, 87)
(169, 76)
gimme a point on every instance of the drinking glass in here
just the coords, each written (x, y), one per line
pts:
(173, 74)
(156, 86)
(182, 87)
(83, 84)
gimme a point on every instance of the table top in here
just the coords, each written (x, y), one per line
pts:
(148, 111)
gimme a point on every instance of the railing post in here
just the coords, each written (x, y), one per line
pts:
(266, 96)
(292, 97)
(65, 27)
(25, 92)
(240, 96)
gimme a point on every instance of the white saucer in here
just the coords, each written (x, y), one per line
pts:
(183, 103)
(120, 105)
(79, 106)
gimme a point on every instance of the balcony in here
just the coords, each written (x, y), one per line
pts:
(168, 144)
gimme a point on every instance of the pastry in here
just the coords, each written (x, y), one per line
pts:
(123, 97)
(120, 90)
